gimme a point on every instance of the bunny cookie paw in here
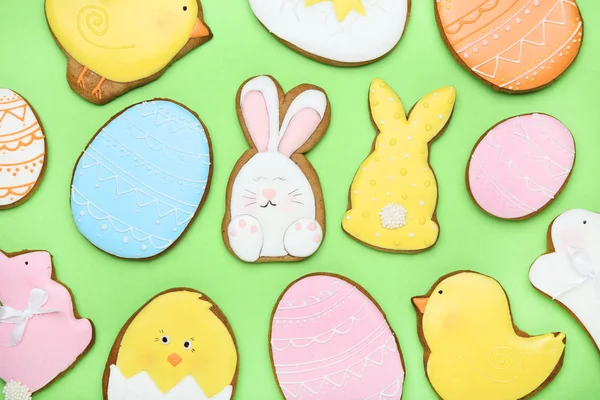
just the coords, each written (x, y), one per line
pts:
(303, 238)
(245, 238)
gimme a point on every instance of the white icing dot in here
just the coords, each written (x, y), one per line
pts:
(422, 203)
(125, 239)
(373, 200)
(104, 227)
(527, 11)
(440, 116)
(157, 222)
(144, 247)
(409, 138)
(518, 20)
(412, 235)
(390, 177)
(496, 36)
(393, 216)
(378, 234)
(485, 43)
(536, 3)
(348, 217)
(466, 55)
(407, 155)
(82, 213)
(507, 28)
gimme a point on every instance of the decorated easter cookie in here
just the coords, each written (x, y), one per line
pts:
(178, 346)
(22, 150)
(275, 208)
(338, 32)
(512, 45)
(520, 166)
(331, 340)
(116, 46)
(394, 194)
(570, 272)
(473, 350)
(142, 179)
(41, 334)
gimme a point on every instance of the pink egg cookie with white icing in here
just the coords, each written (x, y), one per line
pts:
(330, 340)
(520, 166)
(41, 335)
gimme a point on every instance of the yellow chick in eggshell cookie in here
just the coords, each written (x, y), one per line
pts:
(473, 351)
(178, 346)
(122, 44)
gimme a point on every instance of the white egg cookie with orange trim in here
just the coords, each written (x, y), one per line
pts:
(179, 346)
(337, 32)
(394, 194)
(22, 150)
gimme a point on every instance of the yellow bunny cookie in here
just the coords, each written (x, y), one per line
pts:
(394, 194)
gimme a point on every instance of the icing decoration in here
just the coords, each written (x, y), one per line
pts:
(50, 339)
(273, 205)
(336, 31)
(394, 193)
(15, 391)
(513, 45)
(521, 165)
(342, 7)
(329, 339)
(22, 149)
(142, 180)
(570, 273)
(8, 315)
(141, 386)
(178, 346)
(123, 41)
(473, 350)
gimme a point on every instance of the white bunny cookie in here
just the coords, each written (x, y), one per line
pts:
(275, 204)
(570, 272)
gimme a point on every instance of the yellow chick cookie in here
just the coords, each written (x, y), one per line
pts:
(124, 41)
(472, 349)
(394, 193)
(178, 346)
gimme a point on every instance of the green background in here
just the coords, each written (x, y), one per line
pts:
(108, 290)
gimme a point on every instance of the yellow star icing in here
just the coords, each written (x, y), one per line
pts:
(394, 193)
(342, 7)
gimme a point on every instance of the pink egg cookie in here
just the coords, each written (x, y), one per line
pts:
(330, 341)
(521, 165)
(41, 335)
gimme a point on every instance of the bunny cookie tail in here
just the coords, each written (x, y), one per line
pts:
(16, 391)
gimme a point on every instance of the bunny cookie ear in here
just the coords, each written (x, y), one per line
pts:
(434, 111)
(302, 120)
(259, 104)
(386, 107)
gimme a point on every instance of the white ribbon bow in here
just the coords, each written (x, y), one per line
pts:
(581, 262)
(8, 315)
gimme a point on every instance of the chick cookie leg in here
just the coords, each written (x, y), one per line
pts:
(98, 89)
(80, 79)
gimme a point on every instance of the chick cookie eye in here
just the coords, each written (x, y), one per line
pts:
(165, 340)
(441, 291)
(184, 8)
(584, 222)
(187, 345)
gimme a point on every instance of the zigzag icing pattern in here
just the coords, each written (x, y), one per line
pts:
(516, 45)
(333, 341)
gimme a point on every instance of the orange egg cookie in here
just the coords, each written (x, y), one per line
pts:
(513, 45)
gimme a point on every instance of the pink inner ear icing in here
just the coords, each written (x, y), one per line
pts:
(256, 116)
(301, 127)
(51, 342)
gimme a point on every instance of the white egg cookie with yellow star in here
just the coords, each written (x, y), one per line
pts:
(178, 346)
(337, 32)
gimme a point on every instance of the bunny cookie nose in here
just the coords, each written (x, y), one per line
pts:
(174, 359)
(269, 193)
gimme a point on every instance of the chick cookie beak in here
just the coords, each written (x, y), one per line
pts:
(200, 30)
(174, 359)
(420, 303)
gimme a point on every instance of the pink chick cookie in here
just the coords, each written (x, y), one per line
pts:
(331, 341)
(521, 165)
(40, 335)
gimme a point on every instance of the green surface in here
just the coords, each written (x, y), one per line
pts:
(108, 290)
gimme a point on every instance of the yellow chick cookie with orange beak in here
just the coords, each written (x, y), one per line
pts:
(126, 43)
(472, 349)
(178, 346)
